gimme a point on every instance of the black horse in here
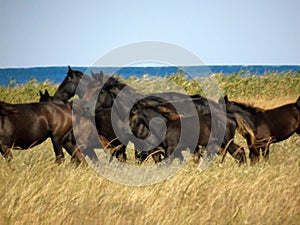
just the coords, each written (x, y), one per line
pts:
(262, 127)
(26, 125)
(69, 86)
(103, 101)
(108, 89)
(211, 135)
(87, 139)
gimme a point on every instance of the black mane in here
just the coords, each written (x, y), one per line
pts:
(247, 107)
(113, 82)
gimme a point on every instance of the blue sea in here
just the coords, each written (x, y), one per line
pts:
(56, 74)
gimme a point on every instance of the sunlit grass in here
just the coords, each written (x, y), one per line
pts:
(34, 190)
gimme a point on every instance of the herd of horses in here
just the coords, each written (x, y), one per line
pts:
(121, 114)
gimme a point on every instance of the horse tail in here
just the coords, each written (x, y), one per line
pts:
(244, 128)
(298, 103)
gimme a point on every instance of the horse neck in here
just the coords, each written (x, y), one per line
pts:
(83, 85)
(242, 115)
(62, 96)
(60, 101)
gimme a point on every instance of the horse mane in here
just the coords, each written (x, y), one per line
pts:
(6, 108)
(248, 107)
(243, 115)
(115, 82)
(244, 126)
(108, 81)
(165, 111)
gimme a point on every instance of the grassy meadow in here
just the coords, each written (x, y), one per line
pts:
(34, 190)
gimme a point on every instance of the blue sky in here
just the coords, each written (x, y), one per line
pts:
(46, 33)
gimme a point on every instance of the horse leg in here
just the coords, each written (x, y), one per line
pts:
(154, 153)
(168, 152)
(198, 154)
(71, 147)
(156, 156)
(298, 130)
(175, 152)
(121, 154)
(76, 156)
(140, 156)
(57, 146)
(254, 155)
(237, 152)
(6, 152)
(265, 152)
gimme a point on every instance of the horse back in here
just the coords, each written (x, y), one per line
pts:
(27, 125)
(7, 108)
(278, 123)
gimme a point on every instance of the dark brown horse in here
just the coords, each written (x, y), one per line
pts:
(26, 125)
(103, 101)
(78, 83)
(175, 139)
(75, 146)
(109, 91)
(104, 90)
(102, 120)
(69, 86)
(262, 127)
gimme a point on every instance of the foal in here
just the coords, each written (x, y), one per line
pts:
(262, 127)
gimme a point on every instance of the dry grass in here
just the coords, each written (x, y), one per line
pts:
(34, 190)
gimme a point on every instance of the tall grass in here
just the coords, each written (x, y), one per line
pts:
(237, 86)
(34, 190)
(25, 93)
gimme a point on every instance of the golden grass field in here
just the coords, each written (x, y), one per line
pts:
(34, 190)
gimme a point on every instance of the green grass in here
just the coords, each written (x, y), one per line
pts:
(25, 93)
(34, 190)
(239, 85)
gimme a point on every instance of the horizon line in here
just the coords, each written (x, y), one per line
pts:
(115, 66)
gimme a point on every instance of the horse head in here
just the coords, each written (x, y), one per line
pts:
(45, 97)
(70, 85)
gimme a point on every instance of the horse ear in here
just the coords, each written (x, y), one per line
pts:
(47, 93)
(98, 76)
(69, 69)
(101, 74)
(41, 93)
